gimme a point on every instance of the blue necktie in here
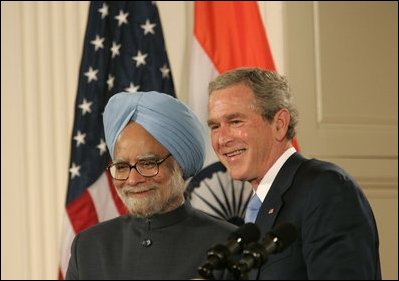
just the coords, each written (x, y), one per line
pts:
(252, 209)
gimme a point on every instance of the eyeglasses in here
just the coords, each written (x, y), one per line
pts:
(147, 168)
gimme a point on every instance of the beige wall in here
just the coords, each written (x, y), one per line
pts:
(342, 63)
(341, 59)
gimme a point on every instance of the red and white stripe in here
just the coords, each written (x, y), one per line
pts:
(98, 203)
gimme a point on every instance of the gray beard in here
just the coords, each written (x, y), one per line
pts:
(147, 207)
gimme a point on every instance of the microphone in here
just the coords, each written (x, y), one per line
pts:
(218, 255)
(256, 254)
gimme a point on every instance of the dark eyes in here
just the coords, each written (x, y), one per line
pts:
(236, 122)
(121, 166)
(147, 164)
(213, 127)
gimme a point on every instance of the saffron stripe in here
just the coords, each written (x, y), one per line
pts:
(232, 34)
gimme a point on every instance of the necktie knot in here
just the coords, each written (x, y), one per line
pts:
(252, 209)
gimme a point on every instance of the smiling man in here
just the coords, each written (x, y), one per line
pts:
(155, 142)
(252, 120)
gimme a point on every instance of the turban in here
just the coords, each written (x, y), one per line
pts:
(168, 120)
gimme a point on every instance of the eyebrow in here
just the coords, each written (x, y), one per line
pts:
(227, 118)
(150, 156)
(146, 156)
(119, 161)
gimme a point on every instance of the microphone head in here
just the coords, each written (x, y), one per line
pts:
(248, 232)
(285, 233)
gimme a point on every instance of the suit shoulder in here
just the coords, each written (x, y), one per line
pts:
(321, 179)
(316, 169)
(104, 227)
(214, 222)
(320, 165)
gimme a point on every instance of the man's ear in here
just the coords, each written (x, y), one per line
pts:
(281, 122)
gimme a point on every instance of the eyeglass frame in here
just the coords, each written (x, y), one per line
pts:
(157, 162)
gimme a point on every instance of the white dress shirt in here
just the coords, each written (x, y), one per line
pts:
(267, 180)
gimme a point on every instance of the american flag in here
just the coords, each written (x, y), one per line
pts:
(124, 50)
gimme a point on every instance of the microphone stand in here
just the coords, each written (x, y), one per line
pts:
(254, 256)
(219, 256)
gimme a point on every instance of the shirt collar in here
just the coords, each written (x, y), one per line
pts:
(267, 180)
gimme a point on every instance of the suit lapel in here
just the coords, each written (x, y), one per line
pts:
(273, 202)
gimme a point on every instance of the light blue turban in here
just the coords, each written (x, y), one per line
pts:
(168, 120)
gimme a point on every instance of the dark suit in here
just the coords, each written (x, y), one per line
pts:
(167, 246)
(337, 233)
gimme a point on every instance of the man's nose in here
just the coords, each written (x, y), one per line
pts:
(224, 135)
(134, 177)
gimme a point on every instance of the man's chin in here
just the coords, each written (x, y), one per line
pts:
(236, 174)
(140, 213)
(141, 209)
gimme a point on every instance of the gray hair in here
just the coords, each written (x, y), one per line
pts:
(270, 89)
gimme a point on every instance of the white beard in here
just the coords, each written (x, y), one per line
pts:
(155, 204)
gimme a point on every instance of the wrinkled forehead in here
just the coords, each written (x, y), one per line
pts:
(231, 101)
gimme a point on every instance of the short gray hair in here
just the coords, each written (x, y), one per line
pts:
(270, 89)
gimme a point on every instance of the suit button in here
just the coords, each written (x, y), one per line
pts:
(146, 243)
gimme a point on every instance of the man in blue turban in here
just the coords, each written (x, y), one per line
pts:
(156, 143)
(168, 120)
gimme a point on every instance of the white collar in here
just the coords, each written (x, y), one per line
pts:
(267, 180)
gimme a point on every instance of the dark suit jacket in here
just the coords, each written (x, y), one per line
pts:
(337, 233)
(169, 246)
